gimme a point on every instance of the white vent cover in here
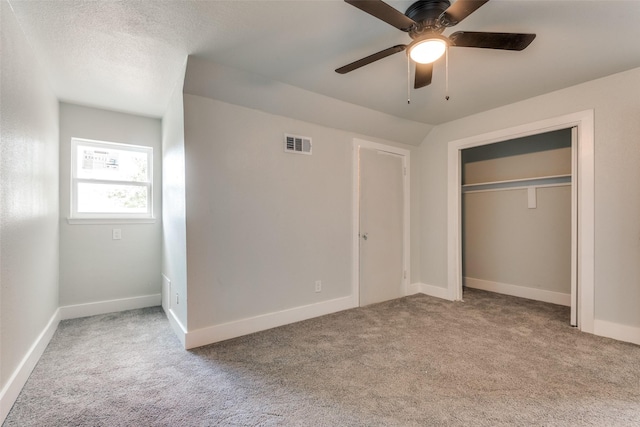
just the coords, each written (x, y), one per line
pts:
(297, 144)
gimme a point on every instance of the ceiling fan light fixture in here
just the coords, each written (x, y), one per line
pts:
(428, 50)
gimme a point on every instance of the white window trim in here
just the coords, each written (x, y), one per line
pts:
(76, 217)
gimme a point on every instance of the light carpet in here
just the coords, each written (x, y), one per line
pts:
(491, 360)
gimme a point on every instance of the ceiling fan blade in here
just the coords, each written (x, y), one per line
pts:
(423, 75)
(458, 11)
(384, 12)
(371, 58)
(506, 41)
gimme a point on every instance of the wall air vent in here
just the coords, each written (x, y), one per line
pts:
(297, 144)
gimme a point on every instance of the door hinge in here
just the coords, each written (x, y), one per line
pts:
(405, 274)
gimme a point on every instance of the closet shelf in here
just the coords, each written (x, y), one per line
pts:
(541, 181)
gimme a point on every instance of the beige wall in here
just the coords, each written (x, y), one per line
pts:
(520, 166)
(616, 102)
(504, 241)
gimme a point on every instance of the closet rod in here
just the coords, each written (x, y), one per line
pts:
(551, 181)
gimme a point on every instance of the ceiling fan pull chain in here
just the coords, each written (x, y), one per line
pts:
(446, 59)
(408, 80)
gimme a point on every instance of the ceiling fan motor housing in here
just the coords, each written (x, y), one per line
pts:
(426, 13)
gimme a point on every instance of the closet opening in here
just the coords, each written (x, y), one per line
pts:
(517, 223)
(582, 209)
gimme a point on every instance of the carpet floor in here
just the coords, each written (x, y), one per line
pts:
(491, 360)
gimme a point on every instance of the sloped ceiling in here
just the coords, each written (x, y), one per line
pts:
(128, 55)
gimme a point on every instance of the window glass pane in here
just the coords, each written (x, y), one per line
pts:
(111, 164)
(112, 198)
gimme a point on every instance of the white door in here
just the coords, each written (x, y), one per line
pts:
(381, 220)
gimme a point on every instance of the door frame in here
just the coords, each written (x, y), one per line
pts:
(406, 256)
(582, 212)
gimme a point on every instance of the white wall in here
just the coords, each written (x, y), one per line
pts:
(93, 266)
(214, 81)
(174, 237)
(28, 204)
(616, 102)
(263, 225)
(248, 228)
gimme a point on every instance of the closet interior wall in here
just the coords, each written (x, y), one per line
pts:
(516, 208)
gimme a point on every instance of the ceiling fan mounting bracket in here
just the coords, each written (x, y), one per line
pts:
(426, 14)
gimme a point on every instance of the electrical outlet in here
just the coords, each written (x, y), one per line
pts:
(318, 285)
(116, 234)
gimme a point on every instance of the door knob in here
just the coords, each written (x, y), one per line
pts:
(365, 236)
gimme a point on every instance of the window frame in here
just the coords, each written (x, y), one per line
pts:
(101, 217)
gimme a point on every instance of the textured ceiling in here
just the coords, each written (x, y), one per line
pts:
(128, 55)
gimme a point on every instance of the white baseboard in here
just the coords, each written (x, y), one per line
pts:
(414, 288)
(431, 290)
(225, 331)
(166, 292)
(10, 392)
(177, 327)
(616, 331)
(111, 306)
(18, 379)
(519, 291)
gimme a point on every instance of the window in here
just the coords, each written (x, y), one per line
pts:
(110, 181)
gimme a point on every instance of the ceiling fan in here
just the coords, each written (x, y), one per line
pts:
(425, 21)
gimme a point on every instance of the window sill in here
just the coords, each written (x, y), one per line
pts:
(97, 221)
